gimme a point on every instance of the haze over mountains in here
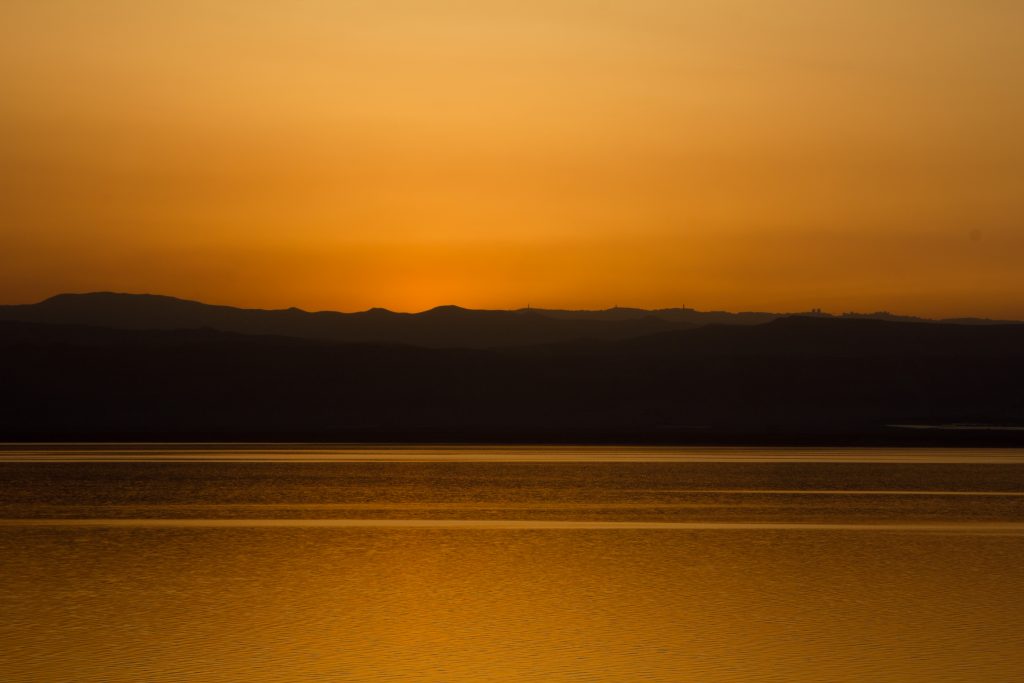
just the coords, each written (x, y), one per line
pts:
(444, 326)
(118, 367)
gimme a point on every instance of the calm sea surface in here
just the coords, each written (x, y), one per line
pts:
(247, 563)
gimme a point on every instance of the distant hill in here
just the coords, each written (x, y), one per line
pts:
(697, 318)
(441, 327)
(805, 336)
(798, 379)
(678, 315)
(444, 326)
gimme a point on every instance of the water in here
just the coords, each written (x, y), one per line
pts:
(295, 563)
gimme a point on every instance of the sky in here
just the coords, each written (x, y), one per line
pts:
(850, 155)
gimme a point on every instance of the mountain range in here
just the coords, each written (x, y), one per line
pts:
(441, 327)
(124, 367)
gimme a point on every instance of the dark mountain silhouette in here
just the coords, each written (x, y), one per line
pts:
(697, 318)
(441, 327)
(677, 315)
(800, 379)
(444, 326)
(836, 337)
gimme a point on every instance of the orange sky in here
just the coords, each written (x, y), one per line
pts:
(738, 154)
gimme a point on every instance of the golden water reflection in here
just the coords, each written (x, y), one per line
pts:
(430, 604)
(516, 571)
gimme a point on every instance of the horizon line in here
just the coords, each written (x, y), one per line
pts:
(528, 307)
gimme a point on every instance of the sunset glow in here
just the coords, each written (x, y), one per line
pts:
(566, 153)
